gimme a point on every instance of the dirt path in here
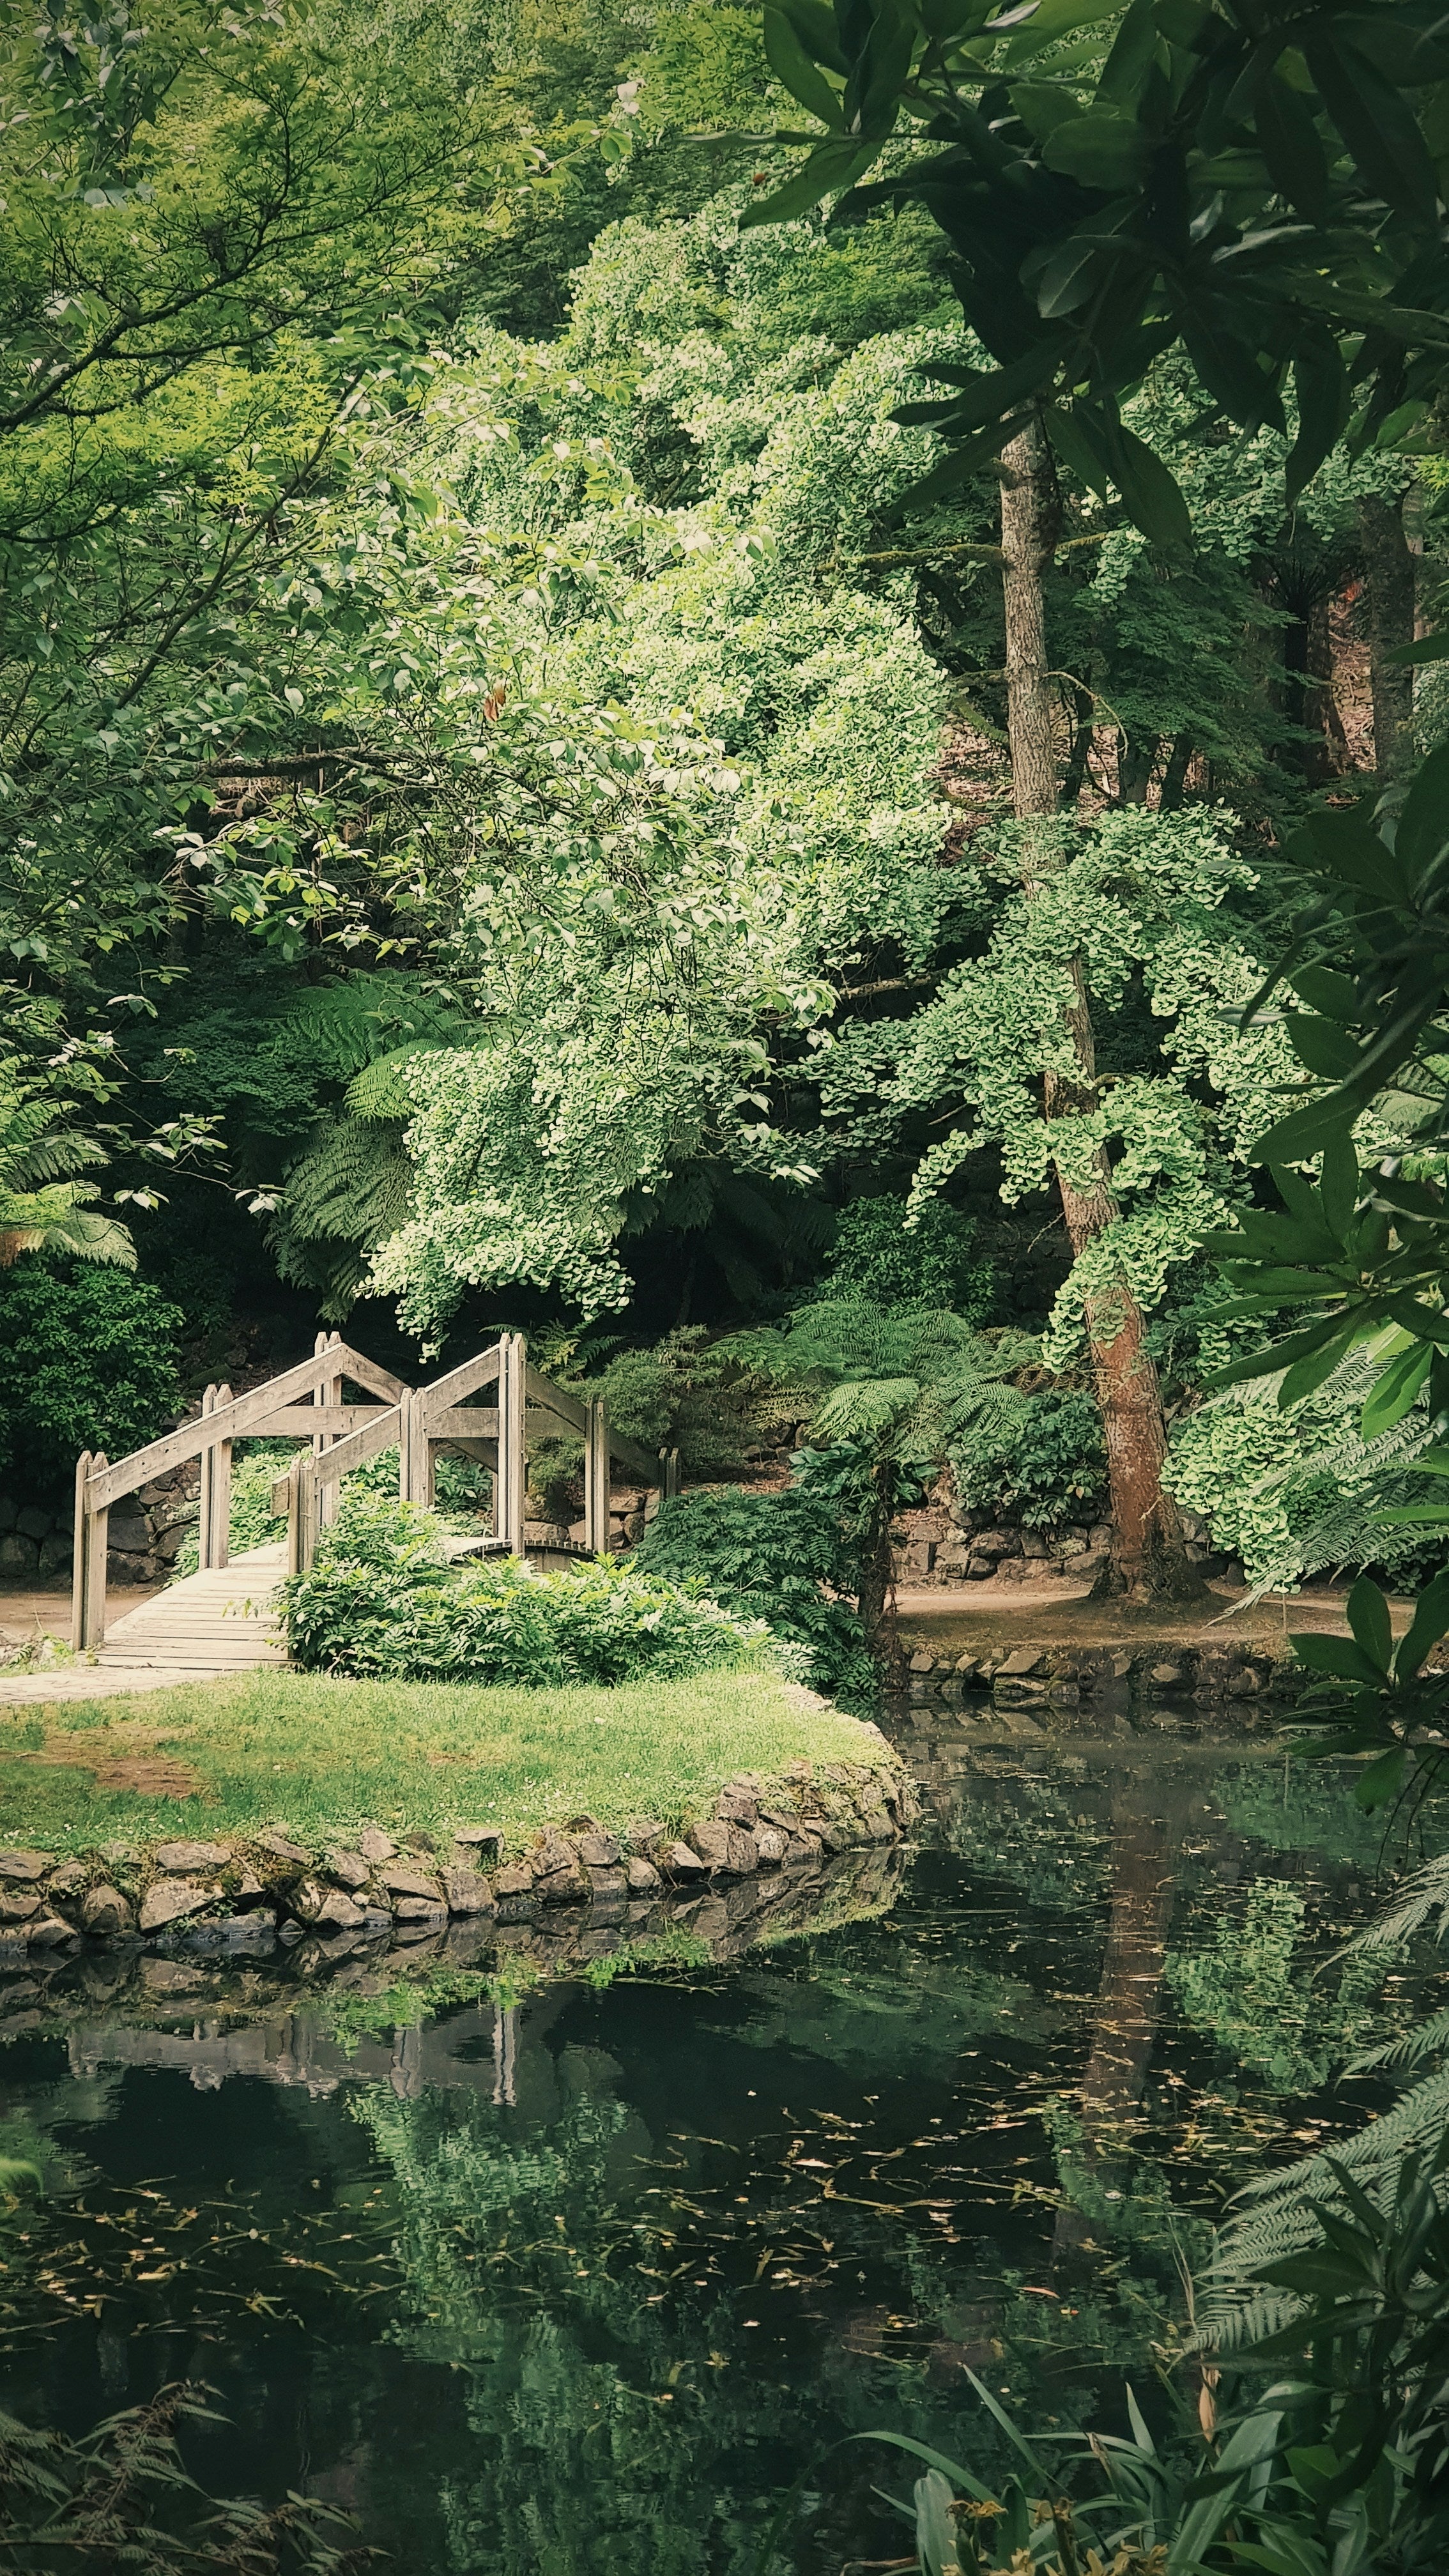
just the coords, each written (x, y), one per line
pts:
(981, 1615)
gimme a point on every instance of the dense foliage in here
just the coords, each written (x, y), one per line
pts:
(90, 1363)
(783, 1558)
(383, 1599)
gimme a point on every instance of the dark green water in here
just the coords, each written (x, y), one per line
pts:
(585, 2281)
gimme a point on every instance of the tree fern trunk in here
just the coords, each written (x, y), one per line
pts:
(1149, 1554)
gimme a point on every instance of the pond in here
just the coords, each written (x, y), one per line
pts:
(593, 2276)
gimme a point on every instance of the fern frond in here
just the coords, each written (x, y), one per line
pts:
(1425, 1893)
(1427, 2039)
(381, 1089)
(1277, 2217)
(349, 1024)
(353, 1186)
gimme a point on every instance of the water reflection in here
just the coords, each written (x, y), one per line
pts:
(582, 2278)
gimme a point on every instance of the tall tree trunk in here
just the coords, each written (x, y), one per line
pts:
(1149, 1554)
(1390, 569)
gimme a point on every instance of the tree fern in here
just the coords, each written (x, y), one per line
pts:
(43, 1208)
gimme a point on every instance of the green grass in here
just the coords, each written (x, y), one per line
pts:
(320, 1756)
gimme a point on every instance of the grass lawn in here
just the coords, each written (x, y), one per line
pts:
(319, 1756)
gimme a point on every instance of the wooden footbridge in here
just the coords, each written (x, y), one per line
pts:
(347, 1409)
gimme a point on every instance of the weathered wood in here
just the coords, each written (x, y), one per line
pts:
(596, 1477)
(466, 1378)
(511, 1478)
(311, 1421)
(247, 1413)
(88, 1573)
(415, 1464)
(378, 1432)
(463, 1422)
(326, 1398)
(644, 1462)
(557, 1401)
(214, 1518)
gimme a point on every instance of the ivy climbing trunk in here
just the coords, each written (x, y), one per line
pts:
(1149, 1555)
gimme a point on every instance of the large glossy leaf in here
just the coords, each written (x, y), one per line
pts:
(1150, 492)
(1424, 824)
(1429, 1623)
(1056, 18)
(1320, 382)
(1378, 125)
(831, 167)
(792, 66)
(1368, 1617)
(1102, 149)
(1289, 142)
(1342, 1659)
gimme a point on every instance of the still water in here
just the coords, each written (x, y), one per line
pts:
(589, 2277)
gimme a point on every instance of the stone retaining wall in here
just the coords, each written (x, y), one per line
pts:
(146, 1535)
(247, 1894)
(1017, 1676)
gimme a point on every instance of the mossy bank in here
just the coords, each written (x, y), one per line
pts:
(247, 1812)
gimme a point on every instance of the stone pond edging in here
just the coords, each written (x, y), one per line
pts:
(249, 1893)
(1065, 1676)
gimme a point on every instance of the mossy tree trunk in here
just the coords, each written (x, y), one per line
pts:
(1149, 1555)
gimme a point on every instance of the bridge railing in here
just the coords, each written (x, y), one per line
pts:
(421, 1422)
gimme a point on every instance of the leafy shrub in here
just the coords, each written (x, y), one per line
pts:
(382, 1600)
(1042, 1466)
(939, 1263)
(90, 1363)
(689, 1394)
(775, 1557)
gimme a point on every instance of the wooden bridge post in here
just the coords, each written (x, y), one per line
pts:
(88, 1576)
(214, 1521)
(302, 1485)
(326, 1391)
(414, 1450)
(510, 1482)
(596, 1477)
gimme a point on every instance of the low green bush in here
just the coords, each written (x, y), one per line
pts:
(382, 1599)
(777, 1557)
(1042, 1466)
(90, 1363)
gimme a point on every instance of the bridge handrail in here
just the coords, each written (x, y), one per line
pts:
(245, 1413)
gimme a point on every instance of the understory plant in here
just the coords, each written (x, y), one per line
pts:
(782, 1557)
(1043, 1465)
(383, 1599)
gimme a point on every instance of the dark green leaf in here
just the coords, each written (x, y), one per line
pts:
(1368, 1617)
(1393, 1395)
(1382, 1780)
(1334, 996)
(830, 167)
(1428, 1625)
(1339, 1657)
(818, 34)
(792, 66)
(1378, 125)
(1151, 494)
(1320, 381)
(1102, 149)
(1338, 1187)
(1424, 824)
(1288, 141)
(1321, 1046)
(1306, 1376)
